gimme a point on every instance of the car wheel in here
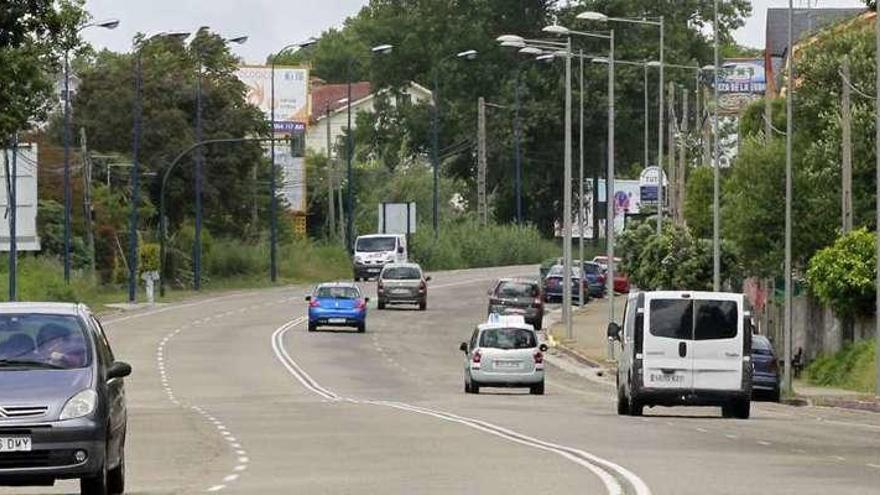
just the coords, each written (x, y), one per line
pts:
(741, 408)
(313, 327)
(362, 328)
(539, 323)
(537, 389)
(636, 408)
(95, 485)
(116, 476)
(381, 304)
(622, 403)
(775, 395)
(423, 305)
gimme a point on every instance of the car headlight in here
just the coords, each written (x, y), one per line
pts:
(81, 404)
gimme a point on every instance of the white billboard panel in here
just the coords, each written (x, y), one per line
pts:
(25, 198)
(293, 176)
(397, 218)
(291, 94)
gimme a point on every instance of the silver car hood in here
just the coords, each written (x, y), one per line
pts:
(51, 388)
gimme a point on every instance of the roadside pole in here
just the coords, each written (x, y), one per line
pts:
(846, 149)
(566, 206)
(581, 184)
(877, 195)
(787, 330)
(482, 205)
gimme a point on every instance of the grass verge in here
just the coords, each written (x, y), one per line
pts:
(853, 368)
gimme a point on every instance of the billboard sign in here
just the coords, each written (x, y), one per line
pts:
(397, 218)
(25, 209)
(292, 189)
(648, 181)
(291, 94)
(742, 76)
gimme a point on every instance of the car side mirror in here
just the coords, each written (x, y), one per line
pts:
(543, 347)
(400, 249)
(118, 370)
(463, 347)
(428, 278)
(613, 331)
(308, 298)
(366, 299)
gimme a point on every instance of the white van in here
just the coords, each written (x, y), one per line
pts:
(372, 252)
(684, 348)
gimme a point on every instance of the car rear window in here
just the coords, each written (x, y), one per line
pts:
(42, 341)
(338, 292)
(761, 346)
(672, 318)
(592, 269)
(402, 273)
(508, 338)
(516, 289)
(557, 271)
(716, 320)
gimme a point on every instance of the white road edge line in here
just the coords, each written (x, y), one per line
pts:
(600, 467)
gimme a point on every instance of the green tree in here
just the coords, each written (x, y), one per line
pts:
(843, 275)
(698, 202)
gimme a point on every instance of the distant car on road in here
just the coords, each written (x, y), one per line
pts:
(338, 304)
(765, 377)
(595, 278)
(621, 280)
(403, 283)
(553, 284)
(504, 352)
(603, 261)
(372, 252)
(518, 296)
(62, 399)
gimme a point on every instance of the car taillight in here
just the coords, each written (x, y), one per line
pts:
(477, 357)
(314, 303)
(774, 366)
(537, 302)
(361, 304)
(539, 357)
(380, 287)
(423, 287)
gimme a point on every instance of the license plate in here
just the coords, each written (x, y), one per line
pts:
(515, 311)
(400, 291)
(373, 270)
(507, 365)
(15, 444)
(336, 320)
(665, 378)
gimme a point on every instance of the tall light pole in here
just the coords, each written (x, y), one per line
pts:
(108, 24)
(135, 160)
(581, 180)
(716, 181)
(660, 23)
(200, 164)
(877, 183)
(435, 131)
(789, 130)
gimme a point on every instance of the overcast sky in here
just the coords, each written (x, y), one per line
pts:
(271, 24)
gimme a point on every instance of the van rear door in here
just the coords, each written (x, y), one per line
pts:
(667, 362)
(718, 341)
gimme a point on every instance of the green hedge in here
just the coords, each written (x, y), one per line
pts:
(852, 368)
(467, 244)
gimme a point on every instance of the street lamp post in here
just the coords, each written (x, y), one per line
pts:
(135, 160)
(716, 181)
(435, 132)
(108, 24)
(877, 184)
(200, 165)
(660, 23)
(789, 129)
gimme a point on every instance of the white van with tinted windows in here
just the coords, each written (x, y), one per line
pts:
(373, 252)
(684, 349)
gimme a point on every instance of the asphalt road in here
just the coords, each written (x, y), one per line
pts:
(232, 395)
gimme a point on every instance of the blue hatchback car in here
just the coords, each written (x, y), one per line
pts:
(339, 304)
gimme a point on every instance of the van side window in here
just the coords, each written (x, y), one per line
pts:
(672, 318)
(629, 320)
(715, 320)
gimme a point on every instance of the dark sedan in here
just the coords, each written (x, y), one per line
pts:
(553, 284)
(595, 279)
(765, 375)
(515, 296)
(62, 399)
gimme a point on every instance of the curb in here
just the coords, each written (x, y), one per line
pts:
(577, 356)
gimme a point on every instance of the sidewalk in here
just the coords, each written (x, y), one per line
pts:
(589, 342)
(812, 395)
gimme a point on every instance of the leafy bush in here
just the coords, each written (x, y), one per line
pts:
(852, 368)
(467, 244)
(842, 275)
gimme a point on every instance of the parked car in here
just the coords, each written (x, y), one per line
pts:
(62, 396)
(372, 252)
(684, 348)
(595, 279)
(504, 352)
(338, 304)
(402, 283)
(518, 296)
(621, 280)
(603, 261)
(553, 284)
(546, 265)
(765, 377)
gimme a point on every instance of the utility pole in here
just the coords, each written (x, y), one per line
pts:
(482, 206)
(670, 162)
(789, 129)
(846, 130)
(682, 159)
(768, 118)
(716, 177)
(331, 205)
(87, 199)
(877, 193)
(698, 114)
(566, 201)
(581, 175)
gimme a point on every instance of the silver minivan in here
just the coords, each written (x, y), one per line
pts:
(684, 348)
(504, 352)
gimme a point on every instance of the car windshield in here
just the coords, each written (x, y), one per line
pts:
(508, 338)
(517, 289)
(592, 269)
(402, 273)
(338, 292)
(42, 341)
(376, 244)
(558, 270)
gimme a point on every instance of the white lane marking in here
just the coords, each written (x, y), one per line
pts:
(838, 458)
(244, 460)
(240, 468)
(702, 430)
(602, 468)
(216, 488)
(730, 436)
(875, 466)
(764, 443)
(231, 477)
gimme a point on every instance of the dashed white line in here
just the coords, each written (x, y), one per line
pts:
(216, 488)
(875, 466)
(764, 443)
